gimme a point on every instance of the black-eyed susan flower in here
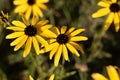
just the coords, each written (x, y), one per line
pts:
(29, 7)
(62, 41)
(4, 17)
(28, 34)
(112, 8)
(51, 77)
(112, 74)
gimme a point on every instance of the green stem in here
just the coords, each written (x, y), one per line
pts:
(52, 20)
(81, 65)
(62, 69)
(36, 64)
(96, 45)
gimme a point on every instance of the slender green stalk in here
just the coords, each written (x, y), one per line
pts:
(96, 45)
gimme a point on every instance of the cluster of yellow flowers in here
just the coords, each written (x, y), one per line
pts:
(111, 7)
(33, 32)
(36, 32)
(47, 38)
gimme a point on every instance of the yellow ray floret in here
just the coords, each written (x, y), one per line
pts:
(50, 78)
(113, 74)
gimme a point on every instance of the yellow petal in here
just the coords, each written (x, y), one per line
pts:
(97, 76)
(19, 24)
(34, 20)
(78, 38)
(109, 21)
(37, 11)
(27, 47)
(2, 13)
(101, 12)
(43, 22)
(56, 30)
(45, 27)
(18, 40)
(63, 29)
(34, 10)
(48, 34)
(30, 77)
(42, 41)
(28, 12)
(18, 2)
(51, 41)
(72, 49)
(50, 47)
(113, 75)
(65, 52)
(116, 18)
(19, 45)
(52, 77)
(25, 20)
(103, 4)
(78, 31)
(36, 45)
(14, 35)
(70, 30)
(5, 15)
(21, 9)
(77, 46)
(42, 1)
(117, 27)
(58, 55)
(116, 22)
(15, 28)
(42, 6)
(114, 1)
(53, 51)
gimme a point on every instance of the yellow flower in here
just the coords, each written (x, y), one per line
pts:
(62, 40)
(26, 33)
(112, 8)
(4, 18)
(112, 73)
(30, 7)
(51, 77)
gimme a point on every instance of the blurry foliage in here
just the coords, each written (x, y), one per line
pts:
(102, 48)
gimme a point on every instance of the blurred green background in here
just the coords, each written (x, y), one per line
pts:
(101, 49)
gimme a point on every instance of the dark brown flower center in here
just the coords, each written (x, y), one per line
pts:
(62, 39)
(114, 7)
(31, 2)
(30, 30)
